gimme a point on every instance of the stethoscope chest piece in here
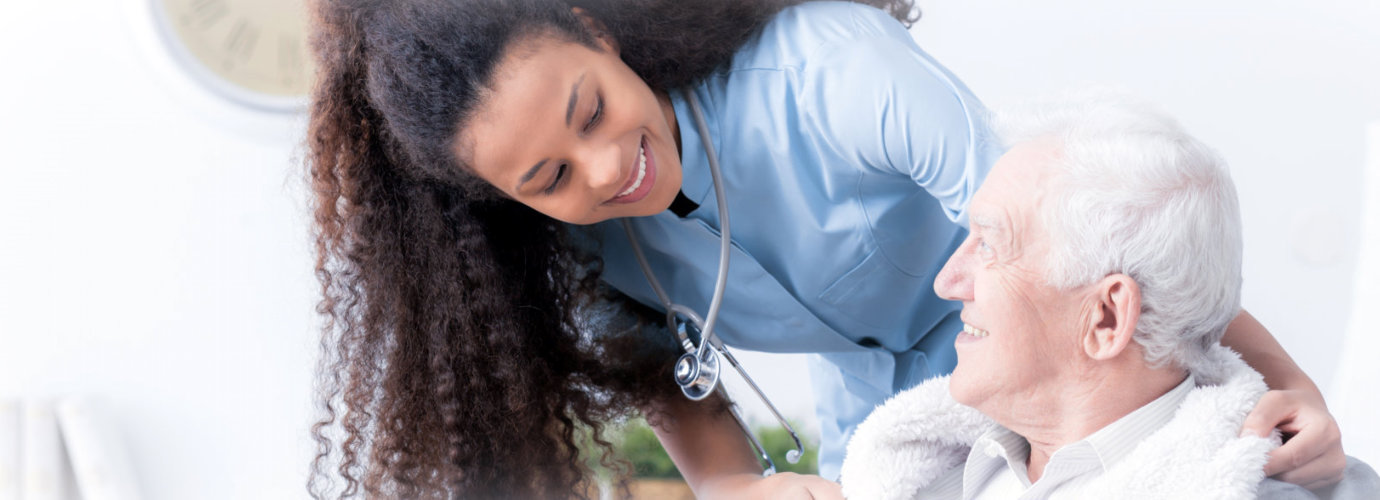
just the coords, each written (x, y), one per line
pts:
(697, 373)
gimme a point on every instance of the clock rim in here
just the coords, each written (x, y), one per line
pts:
(194, 68)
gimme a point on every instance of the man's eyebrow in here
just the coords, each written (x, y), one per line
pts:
(985, 222)
(531, 172)
(574, 93)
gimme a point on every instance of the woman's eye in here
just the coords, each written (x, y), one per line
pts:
(556, 182)
(598, 113)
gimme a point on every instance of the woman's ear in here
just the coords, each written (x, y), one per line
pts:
(597, 28)
(1114, 317)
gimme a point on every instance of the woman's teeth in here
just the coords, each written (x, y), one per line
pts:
(974, 331)
(641, 171)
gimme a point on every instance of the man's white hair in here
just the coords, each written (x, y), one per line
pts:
(1134, 193)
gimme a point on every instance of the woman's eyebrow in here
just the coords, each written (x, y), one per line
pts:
(531, 172)
(574, 93)
(569, 112)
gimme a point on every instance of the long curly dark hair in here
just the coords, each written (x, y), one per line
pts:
(468, 347)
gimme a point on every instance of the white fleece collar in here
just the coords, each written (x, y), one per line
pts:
(921, 433)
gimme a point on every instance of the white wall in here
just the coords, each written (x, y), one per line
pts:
(153, 243)
(1352, 398)
(153, 252)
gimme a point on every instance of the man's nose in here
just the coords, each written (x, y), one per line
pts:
(955, 280)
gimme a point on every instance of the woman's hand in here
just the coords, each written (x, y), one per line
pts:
(783, 485)
(1312, 453)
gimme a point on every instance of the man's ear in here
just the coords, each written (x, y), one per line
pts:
(596, 28)
(1116, 311)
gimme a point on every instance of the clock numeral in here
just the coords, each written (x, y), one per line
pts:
(289, 55)
(205, 13)
(241, 40)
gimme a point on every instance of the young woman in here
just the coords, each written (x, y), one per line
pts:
(472, 160)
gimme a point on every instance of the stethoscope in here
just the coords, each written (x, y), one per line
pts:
(697, 370)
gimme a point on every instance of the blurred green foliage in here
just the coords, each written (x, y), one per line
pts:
(640, 446)
(777, 441)
(637, 444)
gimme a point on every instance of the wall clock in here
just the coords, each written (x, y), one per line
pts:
(253, 52)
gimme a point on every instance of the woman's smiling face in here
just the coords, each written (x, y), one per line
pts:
(574, 133)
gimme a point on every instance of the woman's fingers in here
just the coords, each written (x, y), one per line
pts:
(1322, 471)
(1272, 409)
(1312, 456)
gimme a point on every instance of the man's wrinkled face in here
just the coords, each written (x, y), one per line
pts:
(574, 133)
(1019, 333)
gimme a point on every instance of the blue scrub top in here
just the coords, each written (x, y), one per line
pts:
(849, 156)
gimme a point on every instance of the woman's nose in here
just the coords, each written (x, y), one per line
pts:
(603, 167)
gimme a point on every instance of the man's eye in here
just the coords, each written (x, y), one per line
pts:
(598, 113)
(984, 248)
(555, 183)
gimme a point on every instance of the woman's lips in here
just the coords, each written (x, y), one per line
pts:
(647, 175)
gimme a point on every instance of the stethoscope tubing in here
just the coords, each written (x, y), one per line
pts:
(706, 325)
(725, 243)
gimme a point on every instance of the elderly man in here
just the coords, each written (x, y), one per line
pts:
(1103, 266)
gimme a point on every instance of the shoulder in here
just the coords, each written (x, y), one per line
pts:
(1359, 481)
(803, 33)
(851, 62)
(1272, 489)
